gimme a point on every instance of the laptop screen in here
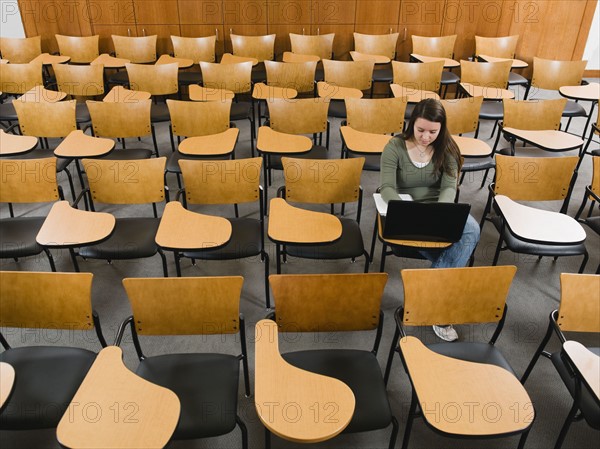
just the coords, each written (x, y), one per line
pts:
(430, 222)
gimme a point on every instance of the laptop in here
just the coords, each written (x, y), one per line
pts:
(429, 222)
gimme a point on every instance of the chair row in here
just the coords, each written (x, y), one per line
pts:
(346, 387)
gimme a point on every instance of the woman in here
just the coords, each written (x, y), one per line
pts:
(424, 163)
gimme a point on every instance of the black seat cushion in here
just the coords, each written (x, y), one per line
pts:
(587, 404)
(46, 379)
(316, 152)
(476, 164)
(82, 115)
(17, 236)
(132, 238)
(128, 154)
(173, 160)
(240, 111)
(206, 385)
(259, 73)
(39, 153)
(383, 74)
(120, 78)
(473, 352)
(514, 79)
(8, 112)
(245, 241)
(491, 110)
(349, 245)
(361, 372)
(187, 78)
(337, 108)
(159, 112)
(449, 78)
(593, 223)
(573, 109)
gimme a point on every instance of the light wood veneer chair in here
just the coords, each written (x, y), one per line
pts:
(15, 80)
(501, 47)
(20, 50)
(437, 47)
(197, 49)
(416, 81)
(344, 79)
(81, 49)
(592, 193)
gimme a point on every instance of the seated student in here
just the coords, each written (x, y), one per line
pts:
(424, 162)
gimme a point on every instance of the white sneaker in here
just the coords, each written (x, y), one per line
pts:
(446, 333)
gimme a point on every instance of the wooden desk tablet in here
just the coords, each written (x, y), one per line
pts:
(184, 63)
(263, 92)
(68, 227)
(211, 145)
(448, 63)
(488, 93)
(119, 94)
(11, 144)
(7, 382)
(379, 59)
(483, 397)
(471, 147)
(516, 63)
(289, 224)
(361, 142)
(48, 59)
(110, 62)
(183, 230)
(321, 406)
(588, 92)
(115, 408)
(586, 362)
(270, 141)
(412, 95)
(199, 93)
(548, 139)
(80, 145)
(40, 93)
(537, 225)
(228, 58)
(334, 92)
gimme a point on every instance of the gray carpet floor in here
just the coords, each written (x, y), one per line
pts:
(534, 294)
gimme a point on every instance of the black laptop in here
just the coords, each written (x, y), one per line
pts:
(429, 222)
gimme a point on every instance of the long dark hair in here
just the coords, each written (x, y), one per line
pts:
(445, 148)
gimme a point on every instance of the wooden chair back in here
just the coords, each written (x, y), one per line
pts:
(485, 74)
(356, 74)
(418, 76)
(498, 47)
(462, 115)
(595, 186)
(298, 115)
(20, 78)
(221, 182)
(120, 119)
(20, 50)
(58, 118)
(139, 50)
(376, 44)
(551, 74)
(533, 115)
(298, 75)
(327, 302)
(234, 77)
(80, 80)
(376, 115)
(156, 79)
(534, 178)
(322, 181)
(195, 48)
(321, 45)
(288, 56)
(46, 300)
(455, 295)
(81, 49)
(126, 182)
(199, 93)
(28, 180)
(579, 309)
(258, 47)
(198, 118)
(185, 305)
(438, 47)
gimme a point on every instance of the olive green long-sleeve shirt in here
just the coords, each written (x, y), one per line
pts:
(399, 175)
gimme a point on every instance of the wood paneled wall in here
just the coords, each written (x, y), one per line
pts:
(556, 29)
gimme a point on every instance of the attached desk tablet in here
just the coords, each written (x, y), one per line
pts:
(488, 93)
(448, 63)
(412, 95)
(365, 143)
(212, 145)
(12, 144)
(7, 382)
(379, 59)
(516, 63)
(80, 145)
(471, 147)
(228, 58)
(40, 93)
(586, 362)
(588, 92)
(119, 94)
(110, 62)
(333, 92)
(183, 63)
(48, 59)
(115, 408)
(278, 382)
(548, 139)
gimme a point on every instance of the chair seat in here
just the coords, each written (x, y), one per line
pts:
(476, 164)
(188, 78)
(128, 154)
(588, 406)
(82, 115)
(120, 78)
(245, 241)
(449, 78)
(240, 111)
(17, 236)
(206, 385)
(372, 161)
(593, 223)
(159, 112)
(132, 238)
(173, 161)
(491, 110)
(573, 109)
(47, 378)
(349, 245)
(8, 112)
(259, 73)
(514, 79)
(316, 152)
(337, 108)
(383, 75)
(61, 162)
(360, 371)
(473, 352)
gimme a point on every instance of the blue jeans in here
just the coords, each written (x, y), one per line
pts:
(459, 253)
